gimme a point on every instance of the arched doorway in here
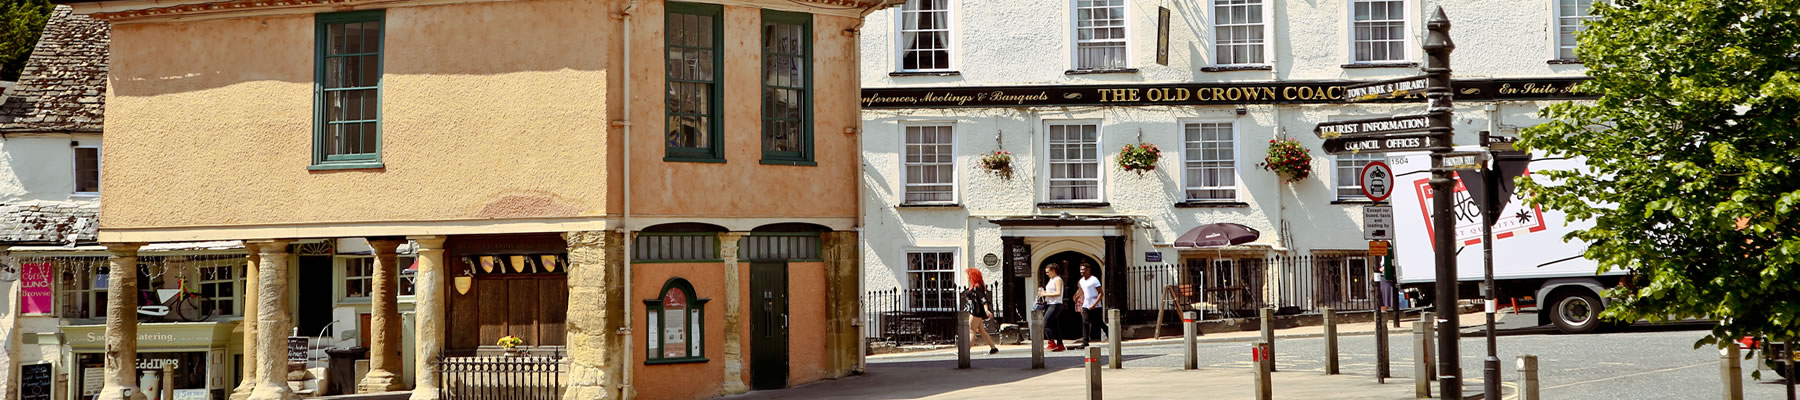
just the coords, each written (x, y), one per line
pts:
(1069, 325)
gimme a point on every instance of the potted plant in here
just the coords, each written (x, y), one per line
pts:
(1288, 158)
(508, 343)
(1139, 158)
(998, 163)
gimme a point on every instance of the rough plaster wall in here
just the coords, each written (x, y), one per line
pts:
(462, 83)
(1510, 38)
(668, 188)
(1496, 39)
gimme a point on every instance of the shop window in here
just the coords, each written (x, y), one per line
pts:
(359, 277)
(779, 247)
(1240, 32)
(677, 325)
(1378, 30)
(1100, 41)
(1074, 162)
(348, 114)
(1210, 155)
(931, 279)
(1572, 17)
(925, 36)
(1349, 171)
(787, 88)
(694, 129)
(219, 283)
(84, 283)
(676, 247)
(87, 170)
(930, 165)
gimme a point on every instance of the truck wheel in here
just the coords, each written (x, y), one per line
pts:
(1577, 312)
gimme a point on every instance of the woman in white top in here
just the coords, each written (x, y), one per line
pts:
(1052, 296)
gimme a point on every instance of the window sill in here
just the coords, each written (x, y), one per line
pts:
(667, 361)
(1089, 204)
(1212, 204)
(84, 195)
(802, 163)
(340, 165)
(1230, 68)
(1356, 202)
(1381, 65)
(693, 159)
(1562, 61)
(929, 205)
(924, 73)
(1101, 71)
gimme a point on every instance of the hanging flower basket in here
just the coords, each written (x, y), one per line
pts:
(998, 163)
(1288, 158)
(1139, 158)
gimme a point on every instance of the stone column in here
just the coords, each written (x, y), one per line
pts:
(734, 307)
(843, 298)
(251, 284)
(596, 316)
(121, 323)
(428, 312)
(272, 321)
(384, 321)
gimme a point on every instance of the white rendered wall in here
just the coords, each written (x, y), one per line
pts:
(40, 167)
(1027, 42)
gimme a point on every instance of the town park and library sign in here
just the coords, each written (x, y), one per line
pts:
(1274, 92)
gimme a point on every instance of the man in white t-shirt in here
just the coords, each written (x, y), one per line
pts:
(1088, 302)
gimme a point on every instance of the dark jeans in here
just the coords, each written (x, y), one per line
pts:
(1052, 315)
(1092, 321)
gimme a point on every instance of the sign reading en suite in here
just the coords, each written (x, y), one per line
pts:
(1275, 92)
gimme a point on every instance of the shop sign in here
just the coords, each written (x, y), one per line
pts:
(92, 379)
(36, 294)
(1162, 36)
(192, 394)
(297, 347)
(35, 381)
(1021, 260)
(182, 335)
(1236, 93)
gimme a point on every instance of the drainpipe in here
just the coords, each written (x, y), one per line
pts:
(625, 391)
(862, 361)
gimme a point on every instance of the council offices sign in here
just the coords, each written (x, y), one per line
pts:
(1270, 92)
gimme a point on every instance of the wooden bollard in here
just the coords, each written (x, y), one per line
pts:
(1191, 359)
(1093, 373)
(1331, 342)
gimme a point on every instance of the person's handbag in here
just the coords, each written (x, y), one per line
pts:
(1040, 306)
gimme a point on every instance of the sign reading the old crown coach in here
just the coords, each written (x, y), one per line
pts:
(1272, 92)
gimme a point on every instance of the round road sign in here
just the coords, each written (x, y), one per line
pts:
(1377, 181)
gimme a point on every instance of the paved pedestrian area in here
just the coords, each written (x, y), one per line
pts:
(933, 380)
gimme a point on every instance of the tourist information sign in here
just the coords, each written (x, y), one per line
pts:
(1388, 89)
(1382, 144)
(1373, 126)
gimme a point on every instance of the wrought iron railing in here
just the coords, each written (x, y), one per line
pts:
(915, 316)
(489, 373)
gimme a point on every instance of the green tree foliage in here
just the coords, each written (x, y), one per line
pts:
(1692, 147)
(21, 21)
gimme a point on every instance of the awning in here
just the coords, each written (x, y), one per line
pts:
(1216, 235)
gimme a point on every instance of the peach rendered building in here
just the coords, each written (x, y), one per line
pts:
(658, 199)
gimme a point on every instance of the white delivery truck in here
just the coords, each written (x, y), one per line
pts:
(1531, 259)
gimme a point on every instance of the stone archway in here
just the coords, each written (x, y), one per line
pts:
(1069, 324)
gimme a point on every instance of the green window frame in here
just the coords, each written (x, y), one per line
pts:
(787, 131)
(660, 315)
(695, 33)
(347, 89)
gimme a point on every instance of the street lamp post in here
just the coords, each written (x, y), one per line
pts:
(1437, 67)
(1490, 374)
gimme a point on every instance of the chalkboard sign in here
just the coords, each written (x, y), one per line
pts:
(35, 381)
(1021, 260)
(297, 346)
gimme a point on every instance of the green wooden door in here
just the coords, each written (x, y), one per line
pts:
(768, 325)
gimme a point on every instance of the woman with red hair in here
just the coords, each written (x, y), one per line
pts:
(977, 303)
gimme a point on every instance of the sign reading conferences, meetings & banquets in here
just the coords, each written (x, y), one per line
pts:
(1236, 93)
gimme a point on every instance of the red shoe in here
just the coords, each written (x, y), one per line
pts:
(1056, 348)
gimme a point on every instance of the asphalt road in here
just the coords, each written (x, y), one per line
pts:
(1636, 362)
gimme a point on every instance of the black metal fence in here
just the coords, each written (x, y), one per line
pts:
(489, 373)
(915, 316)
(1228, 287)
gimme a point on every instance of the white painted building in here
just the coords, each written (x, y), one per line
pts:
(947, 81)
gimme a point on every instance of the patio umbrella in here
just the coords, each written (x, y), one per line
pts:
(1217, 235)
